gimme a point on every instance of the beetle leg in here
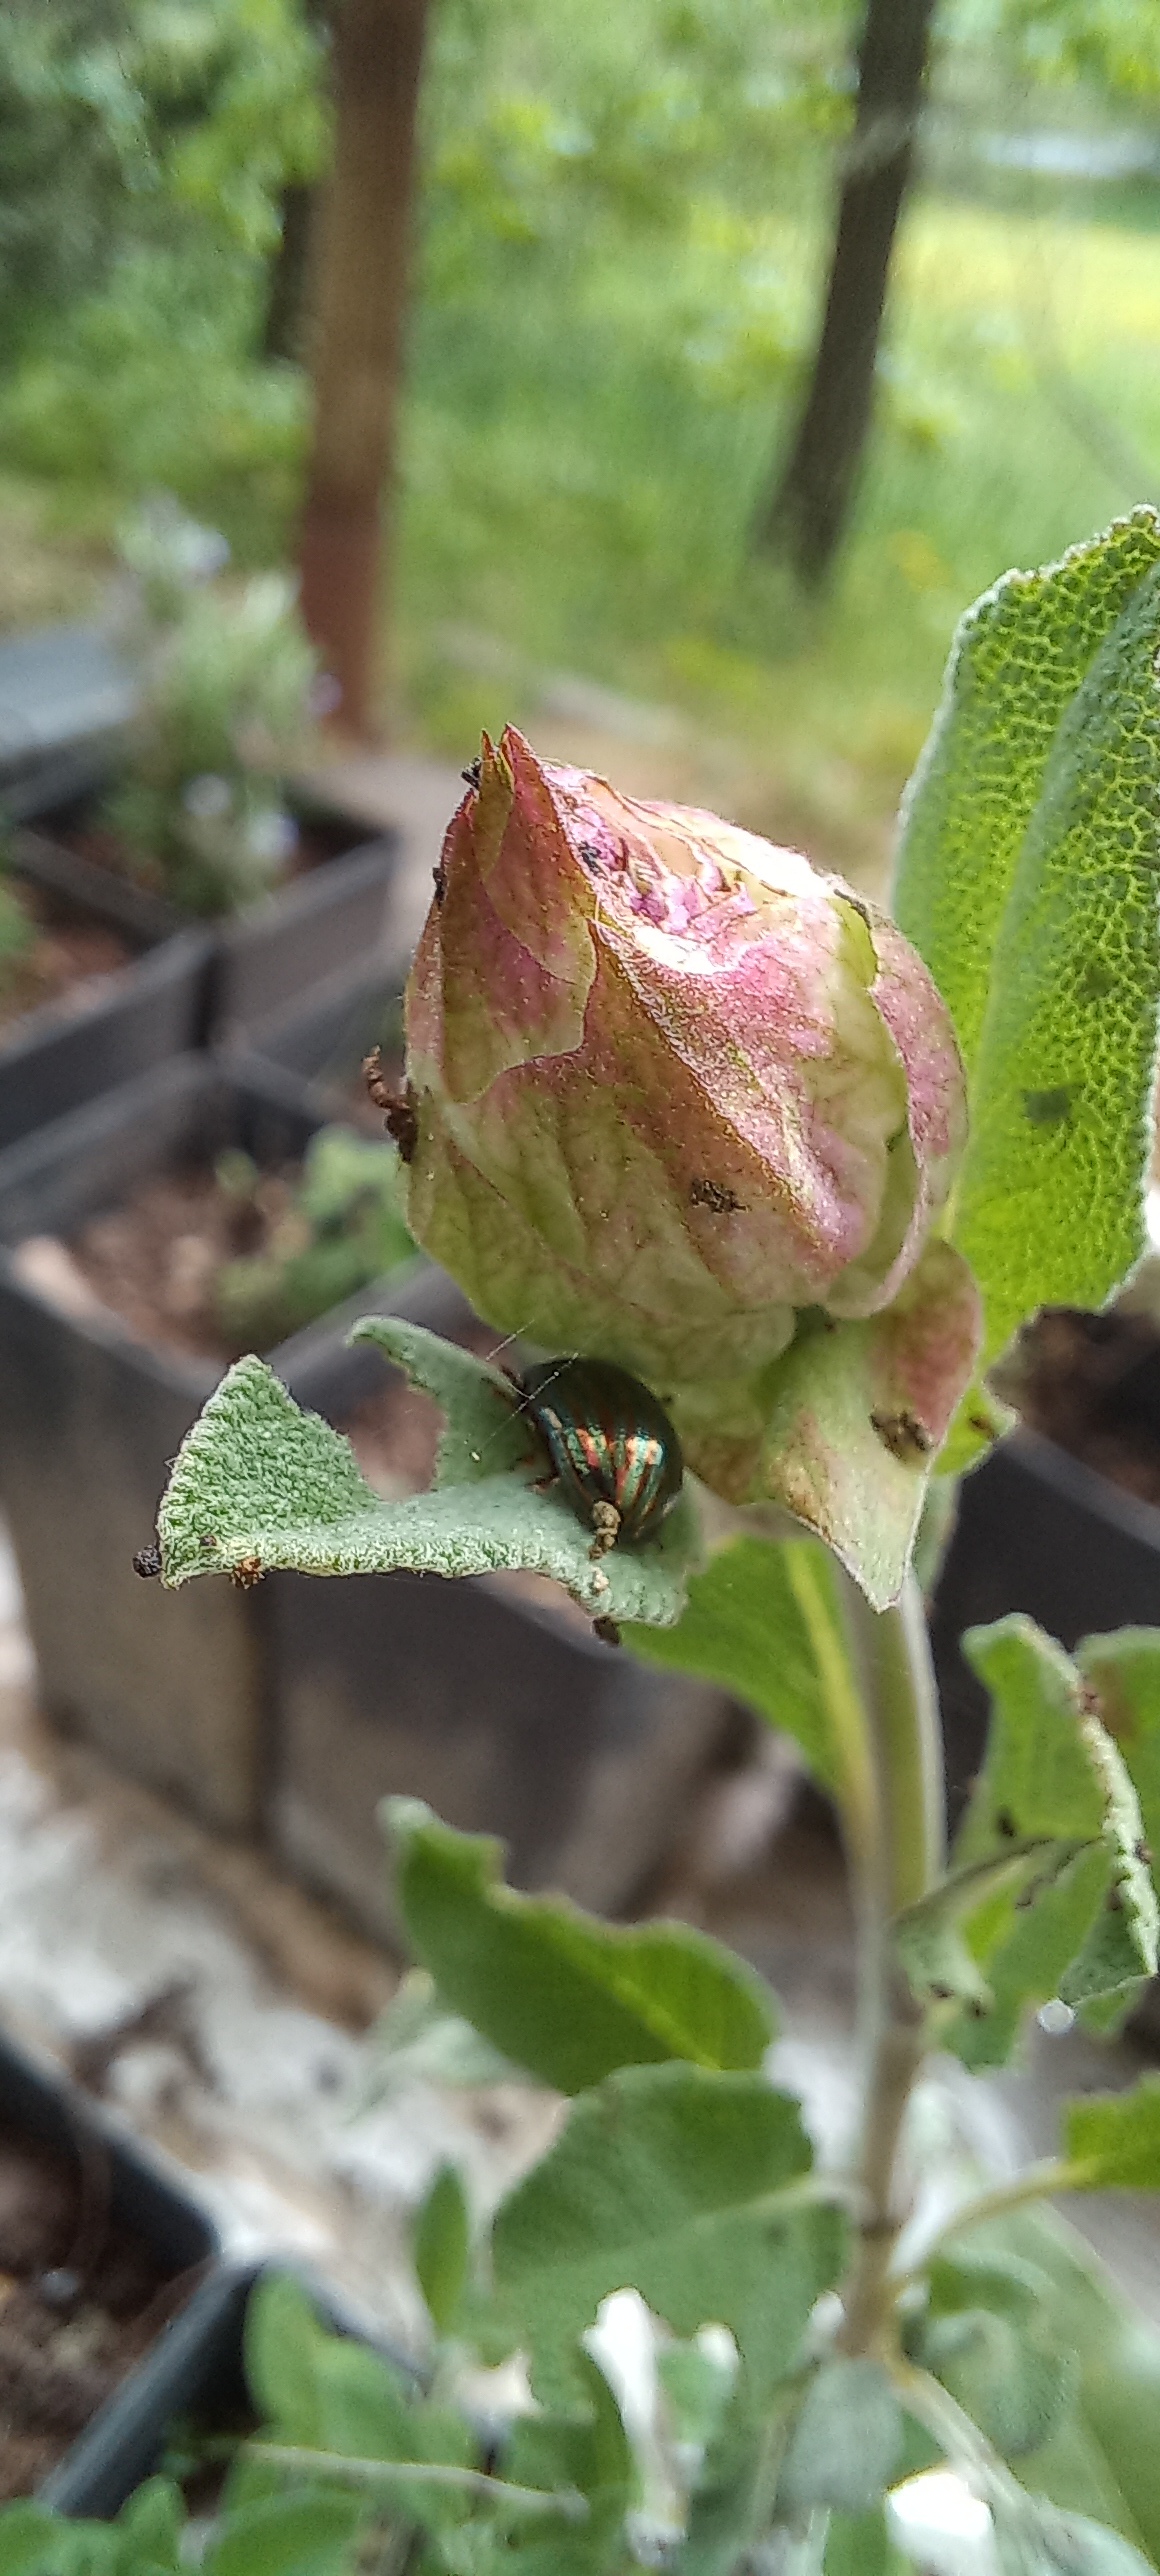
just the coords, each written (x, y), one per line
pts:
(605, 1528)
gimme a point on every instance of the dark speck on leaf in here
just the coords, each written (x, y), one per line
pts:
(715, 1195)
(473, 773)
(1047, 1108)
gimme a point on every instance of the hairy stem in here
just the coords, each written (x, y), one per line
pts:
(423, 2473)
(892, 1659)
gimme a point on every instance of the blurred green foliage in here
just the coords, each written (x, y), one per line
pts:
(343, 1228)
(17, 936)
(226, 686)
(621, 235)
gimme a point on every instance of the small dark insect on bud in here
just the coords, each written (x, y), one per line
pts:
(1005, 1824)
(942, 1994)
(473, 773)
(147, 1562)
(607, 1631)
(398, 1106)
(903, 1434)
(439, 881)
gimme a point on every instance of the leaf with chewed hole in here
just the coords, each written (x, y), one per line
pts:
(260, 1484)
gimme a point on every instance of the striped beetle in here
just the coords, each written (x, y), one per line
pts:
(612, 1447)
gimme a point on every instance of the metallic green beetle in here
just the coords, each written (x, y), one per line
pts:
(611, 1445)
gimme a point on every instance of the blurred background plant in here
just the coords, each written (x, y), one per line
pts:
(340, 1228)
(228, 683)
(624, 223)
(17, 936)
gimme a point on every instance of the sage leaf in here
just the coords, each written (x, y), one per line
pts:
(763, 1620)
(1085, 1926)
(676, 2183)
(845, 2442)
(1112, 2140)
(1027, 878)
(560, 1993)
(260, 1484)
(442, 2246)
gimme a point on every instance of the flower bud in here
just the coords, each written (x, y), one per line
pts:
(673, 1086)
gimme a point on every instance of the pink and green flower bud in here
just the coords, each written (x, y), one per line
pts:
(673, 1089)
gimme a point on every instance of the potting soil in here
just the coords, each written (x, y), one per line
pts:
(155, 1259)
(80, 2299)
(1091, 1383)
(62, 964)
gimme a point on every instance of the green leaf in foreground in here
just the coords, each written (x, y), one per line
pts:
(836, 1447)
(442, 2246)
(1124, 1671)
(678, 2184)
(1112, 2140)
(562, 1994)
(1086, 1926)
(845, 2442)
(260, 1484)
(763, 1620)
(1100, 2456)
(1027, 878)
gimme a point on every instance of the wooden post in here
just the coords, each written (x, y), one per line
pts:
(360, 296)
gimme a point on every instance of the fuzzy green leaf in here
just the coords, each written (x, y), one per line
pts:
(259, 1484)
(763, 1621)
(1027, 878)
(860, 2545)
(306, 2535)
(845, 2442)
(838, 1445)
(442, 2245)
(1086, 1925)
(1018, 658)
(1100, 2456)
(560, 1993)
(1124, 1671)
(929, 1936)
(1113, 2139)
(678, 2184)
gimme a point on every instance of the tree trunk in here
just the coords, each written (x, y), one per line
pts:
(359, 304)
(284, 325)
(808, 512)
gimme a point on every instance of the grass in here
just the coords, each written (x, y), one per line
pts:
(580, 500)
(584, 449)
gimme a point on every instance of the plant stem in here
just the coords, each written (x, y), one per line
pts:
(414, 2473)
(1037, 2182)
(892, 1659)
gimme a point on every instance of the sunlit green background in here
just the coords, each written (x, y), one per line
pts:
(621, 240)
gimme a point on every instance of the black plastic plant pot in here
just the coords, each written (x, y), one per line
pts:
(325, 1035)
(293, 1707)
(65, 696)
(1039, 1532)
(120, 2187)
(195, 2376)
(55, 1058)
(173, 1687)
(327, 921)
